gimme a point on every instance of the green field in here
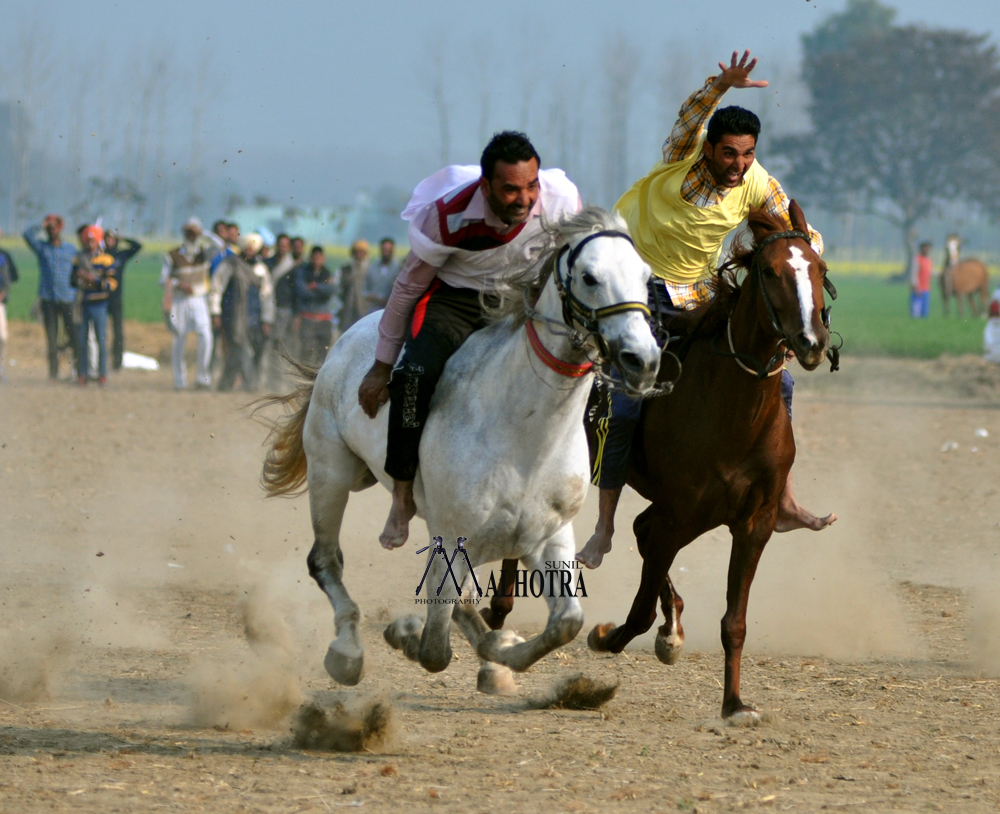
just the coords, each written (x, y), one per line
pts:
(871, 314)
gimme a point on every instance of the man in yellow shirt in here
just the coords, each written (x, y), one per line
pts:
(679, 215)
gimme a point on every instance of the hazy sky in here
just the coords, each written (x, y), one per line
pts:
(324, 97)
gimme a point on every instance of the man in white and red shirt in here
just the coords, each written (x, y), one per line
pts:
(470, 227)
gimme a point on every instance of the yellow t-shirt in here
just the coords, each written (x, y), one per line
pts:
(681, 241)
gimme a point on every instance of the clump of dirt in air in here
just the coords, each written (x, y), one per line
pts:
(576, 692)
(368, 727)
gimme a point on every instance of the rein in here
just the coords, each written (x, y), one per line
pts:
(776, 362)
(575, 311)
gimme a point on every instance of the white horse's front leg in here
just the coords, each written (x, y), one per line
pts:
(565, 613)
(493, 679)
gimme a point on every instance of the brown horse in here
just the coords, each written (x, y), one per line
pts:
(966, 279)
(717, 451)
(963, 278)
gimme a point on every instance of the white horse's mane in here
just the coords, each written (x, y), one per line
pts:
(509, 296)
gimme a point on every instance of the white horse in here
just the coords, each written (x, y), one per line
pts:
(503, 456)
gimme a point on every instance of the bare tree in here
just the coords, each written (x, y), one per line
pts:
(620, 65)
(28, 74)
(150, 81)
(162, 184)
(482, 60)
(530, 73)
(435, 84)
(565, 122)
(206, 90)
(74, 135)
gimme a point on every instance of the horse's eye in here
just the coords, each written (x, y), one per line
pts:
(769, 271)
(589, 279)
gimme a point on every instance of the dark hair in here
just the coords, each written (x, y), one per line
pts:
(316, 250)
(233, 224)
(80, 228)
(281, 235)
(298, 238)
(217, 224)
(387, 240)
(511, 147)
(732, 121)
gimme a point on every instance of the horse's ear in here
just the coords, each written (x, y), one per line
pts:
(759, 226)
(797, 216)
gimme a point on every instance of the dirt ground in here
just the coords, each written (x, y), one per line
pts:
(158, 628)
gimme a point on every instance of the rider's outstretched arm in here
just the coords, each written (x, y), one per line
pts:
(685, 139)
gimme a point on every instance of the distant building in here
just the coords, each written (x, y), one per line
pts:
(371, 217)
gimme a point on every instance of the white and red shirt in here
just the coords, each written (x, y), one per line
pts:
(457, 238)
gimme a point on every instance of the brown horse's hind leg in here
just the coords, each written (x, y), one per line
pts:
(670, 635)
(748, 545)
(655, 542)
(502, 602)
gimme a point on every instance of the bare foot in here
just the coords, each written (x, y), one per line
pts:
(792, 516)
(600, 544)
(397, 526)
(597, 546)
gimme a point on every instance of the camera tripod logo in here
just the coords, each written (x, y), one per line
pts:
(439, 548)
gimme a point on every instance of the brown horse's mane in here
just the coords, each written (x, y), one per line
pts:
(710, 318)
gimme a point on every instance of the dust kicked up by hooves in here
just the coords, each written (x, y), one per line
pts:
(575, 692)
(367, 726)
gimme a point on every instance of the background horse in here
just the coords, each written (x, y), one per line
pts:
(503, 456)
(963, 278)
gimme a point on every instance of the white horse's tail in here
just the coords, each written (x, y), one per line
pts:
(284, 472)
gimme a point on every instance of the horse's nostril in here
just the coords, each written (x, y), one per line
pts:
(631, 361)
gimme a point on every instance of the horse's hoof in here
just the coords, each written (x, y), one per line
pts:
(668, 648)
(495, 679)
(747, 716)
(435, 660)
(404, 634)
(597, 637)
(346, 665)
(493, 644)
(397, 632)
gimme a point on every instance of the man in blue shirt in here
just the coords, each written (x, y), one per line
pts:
(55, 264)
(316, 301)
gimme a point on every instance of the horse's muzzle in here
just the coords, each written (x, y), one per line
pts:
(809, 352)
(638, 371)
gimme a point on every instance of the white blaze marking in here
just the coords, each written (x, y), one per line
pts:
(798, 262)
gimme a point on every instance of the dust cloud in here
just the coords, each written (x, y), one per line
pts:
(366, 725)
(259, 686)
(30, 663)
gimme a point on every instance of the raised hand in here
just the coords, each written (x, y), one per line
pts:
(737, 73)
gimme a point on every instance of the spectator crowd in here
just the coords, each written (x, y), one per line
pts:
(249, 301)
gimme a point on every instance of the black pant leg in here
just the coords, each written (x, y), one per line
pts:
(118, 345)
(65, 309)
(438, 329)
(49, 317)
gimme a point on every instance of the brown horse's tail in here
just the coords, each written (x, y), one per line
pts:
(284, 472)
